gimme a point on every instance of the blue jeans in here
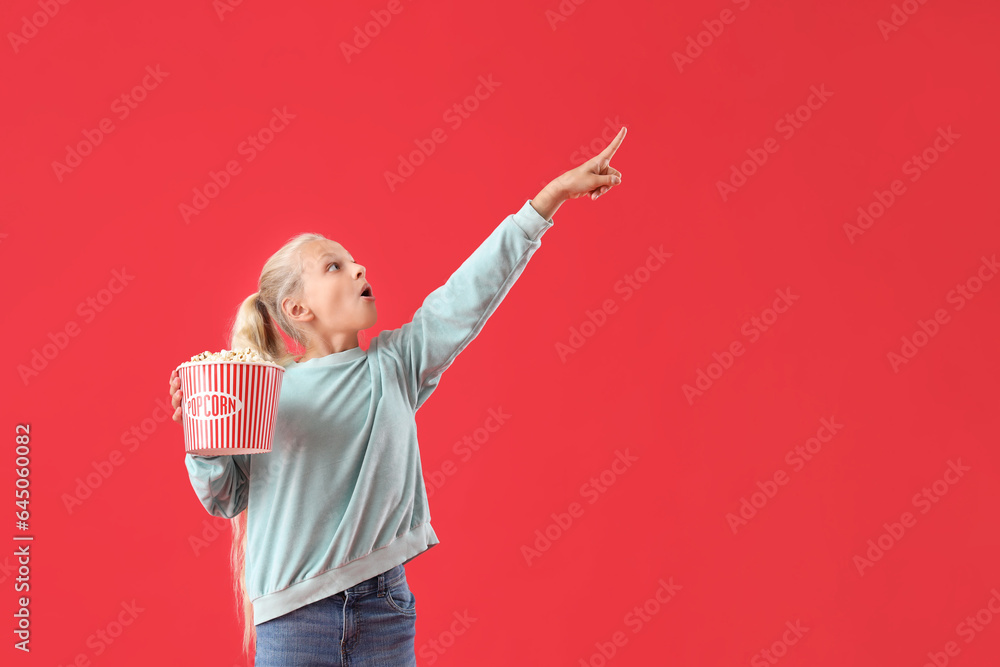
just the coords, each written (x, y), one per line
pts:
(371, 624)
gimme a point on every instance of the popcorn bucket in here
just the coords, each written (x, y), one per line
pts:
(229, 407)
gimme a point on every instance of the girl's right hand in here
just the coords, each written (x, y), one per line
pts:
(176, 395)
(592, 178)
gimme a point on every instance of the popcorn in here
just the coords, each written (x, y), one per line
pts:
(230, 402)
(246, 355)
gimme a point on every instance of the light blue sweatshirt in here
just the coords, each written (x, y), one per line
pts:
(340, 497)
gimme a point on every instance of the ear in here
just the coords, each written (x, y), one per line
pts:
(296, 311)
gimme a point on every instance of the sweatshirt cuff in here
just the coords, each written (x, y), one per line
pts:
(531, 221)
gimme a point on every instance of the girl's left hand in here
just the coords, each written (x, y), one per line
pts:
(594, 177)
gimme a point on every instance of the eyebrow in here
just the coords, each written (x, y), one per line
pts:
(329, 255)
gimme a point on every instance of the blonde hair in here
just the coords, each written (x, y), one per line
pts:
(258, 325)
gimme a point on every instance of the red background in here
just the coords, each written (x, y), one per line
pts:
(560, 89)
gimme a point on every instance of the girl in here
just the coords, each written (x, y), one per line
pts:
(324, 522)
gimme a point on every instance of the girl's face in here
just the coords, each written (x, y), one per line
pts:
(332, 305)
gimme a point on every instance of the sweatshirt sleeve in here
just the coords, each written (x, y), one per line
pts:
(222, 483)
(453, 314)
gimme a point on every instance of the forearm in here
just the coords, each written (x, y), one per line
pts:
(221, 483)
(548, 200)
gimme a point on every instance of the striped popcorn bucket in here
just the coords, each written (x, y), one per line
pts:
(229, 406)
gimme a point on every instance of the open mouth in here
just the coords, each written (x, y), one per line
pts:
(367, 291)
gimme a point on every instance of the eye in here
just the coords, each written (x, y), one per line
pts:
(333, 264)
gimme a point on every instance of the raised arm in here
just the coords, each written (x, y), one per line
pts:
(453, 315)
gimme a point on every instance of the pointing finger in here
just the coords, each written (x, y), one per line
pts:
(606, 155)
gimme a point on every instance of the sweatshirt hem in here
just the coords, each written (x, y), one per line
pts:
(402, 550)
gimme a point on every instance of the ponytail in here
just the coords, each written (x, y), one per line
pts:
(255, 328)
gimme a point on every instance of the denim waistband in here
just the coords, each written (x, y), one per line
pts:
(379, 582)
